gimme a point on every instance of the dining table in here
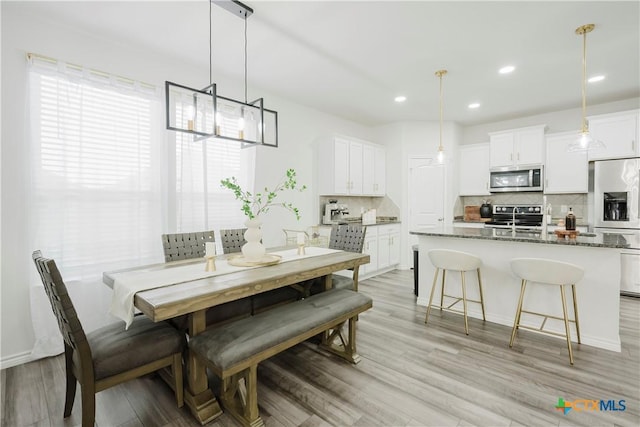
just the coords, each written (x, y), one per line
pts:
(177, 296)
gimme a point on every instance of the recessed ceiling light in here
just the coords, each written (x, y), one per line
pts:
(474, 105)
(506, 70)
(596, 79)
(400, 98)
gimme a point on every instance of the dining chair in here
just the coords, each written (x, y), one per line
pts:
(110, 355)
(192, 245)
(186, 245)
(232, 240)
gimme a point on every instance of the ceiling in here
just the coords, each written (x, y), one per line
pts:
(351, 58)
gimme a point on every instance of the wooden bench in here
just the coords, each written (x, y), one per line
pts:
(233, 351)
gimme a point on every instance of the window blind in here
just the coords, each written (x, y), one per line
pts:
(96, 168)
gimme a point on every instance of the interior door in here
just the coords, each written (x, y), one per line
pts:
(426, 195)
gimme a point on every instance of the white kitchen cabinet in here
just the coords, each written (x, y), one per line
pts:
(565, 172)
(474, 170)
(382, 244)
(517, 147)
(618, 132)
(370, 248)
(348, 166)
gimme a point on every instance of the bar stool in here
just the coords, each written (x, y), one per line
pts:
(445, 259)
(548, 272)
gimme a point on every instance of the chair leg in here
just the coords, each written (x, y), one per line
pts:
(176, 371)
(566, 323)
(516, 321)
(72, 382)
(481, 295)
(575, 312)
(464, 304)
(433, 288)
(88, 394)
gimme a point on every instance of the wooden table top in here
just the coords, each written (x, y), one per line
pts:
(175, 300)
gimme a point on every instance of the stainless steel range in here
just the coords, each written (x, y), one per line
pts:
(524, 216)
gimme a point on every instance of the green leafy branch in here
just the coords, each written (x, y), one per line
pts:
(255, 204)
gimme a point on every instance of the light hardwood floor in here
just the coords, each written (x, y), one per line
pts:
(410, 375)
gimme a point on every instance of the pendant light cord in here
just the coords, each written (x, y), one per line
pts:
(584, 82)
(440, 146)
(210, 48)
(245, 59)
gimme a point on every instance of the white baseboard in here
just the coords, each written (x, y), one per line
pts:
(16, 359)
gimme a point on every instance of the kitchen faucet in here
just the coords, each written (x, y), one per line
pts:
(513, 220)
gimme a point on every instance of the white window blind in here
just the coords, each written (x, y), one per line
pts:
(201, 203)
(96, 173)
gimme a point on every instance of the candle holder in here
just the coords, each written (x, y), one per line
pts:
(211, 263)
(301, 249)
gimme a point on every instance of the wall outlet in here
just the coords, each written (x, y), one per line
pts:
(564, 209)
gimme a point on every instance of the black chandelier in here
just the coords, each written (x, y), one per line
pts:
(205, 114)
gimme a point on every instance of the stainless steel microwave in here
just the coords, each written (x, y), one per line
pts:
(507, 179)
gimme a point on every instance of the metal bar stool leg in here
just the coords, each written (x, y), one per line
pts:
(433, 288)
(481, 295)
(566, 323)
(575, 311)
(464, 304)
(516, 322)
(444, 271)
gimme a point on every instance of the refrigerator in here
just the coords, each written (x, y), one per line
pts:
(614, 209)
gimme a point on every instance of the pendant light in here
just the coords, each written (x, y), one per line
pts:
(440, 155)
(585, 141)
(206, 114)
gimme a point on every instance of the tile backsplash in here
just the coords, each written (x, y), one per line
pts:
(384, 206)
(576, 201)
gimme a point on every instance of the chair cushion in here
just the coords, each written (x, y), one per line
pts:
(115, 350)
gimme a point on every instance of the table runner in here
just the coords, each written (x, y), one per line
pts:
(126, 284)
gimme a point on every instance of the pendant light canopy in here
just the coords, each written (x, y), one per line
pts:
(440, 155)
(205, 114)
(585, 141)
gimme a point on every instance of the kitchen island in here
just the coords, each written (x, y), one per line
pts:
(598, 292)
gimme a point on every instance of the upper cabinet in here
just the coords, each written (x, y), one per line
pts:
(474, 170)
(517, 147)
(373, 170)
(618, 132)
(565, 172)
(347, 166)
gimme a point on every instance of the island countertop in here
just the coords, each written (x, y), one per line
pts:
(598, 239)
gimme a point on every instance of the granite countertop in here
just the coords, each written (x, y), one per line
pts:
(381, 220)
(599, 239)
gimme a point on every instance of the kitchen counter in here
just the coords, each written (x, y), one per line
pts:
(600, 240)
(598, 254)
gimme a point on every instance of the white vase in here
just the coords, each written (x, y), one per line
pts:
(253, 250)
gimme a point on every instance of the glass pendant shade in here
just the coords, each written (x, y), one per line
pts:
(440, 155)
(584, 141)
(190, 110)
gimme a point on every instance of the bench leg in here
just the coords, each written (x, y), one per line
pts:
(346, 347)
(240, 397)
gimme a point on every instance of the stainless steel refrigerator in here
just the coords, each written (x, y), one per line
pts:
(614, 209)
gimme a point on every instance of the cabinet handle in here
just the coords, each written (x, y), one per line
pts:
(546, 182)
(511, 156)
(518, 157)
(633, 145)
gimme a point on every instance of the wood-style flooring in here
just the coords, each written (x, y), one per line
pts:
(410, 375)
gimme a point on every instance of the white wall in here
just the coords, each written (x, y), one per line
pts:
(299, 127)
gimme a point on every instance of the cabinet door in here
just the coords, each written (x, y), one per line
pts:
(619, 133)
(368, 169)
(474, 170)
(341, 166)
(370, 248)
(501, 150)
(565, 172)
(380, 172)
(355, 168)
(384, 246)
(529, 147)
(394, 247)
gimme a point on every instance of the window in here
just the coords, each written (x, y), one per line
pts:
(96, 163)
